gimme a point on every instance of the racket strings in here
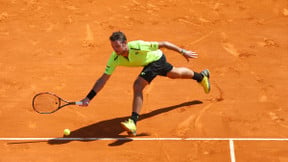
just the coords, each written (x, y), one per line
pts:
(46, 103)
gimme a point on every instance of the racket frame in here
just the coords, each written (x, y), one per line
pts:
(60, 101)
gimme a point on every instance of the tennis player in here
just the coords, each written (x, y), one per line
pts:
(148, 55)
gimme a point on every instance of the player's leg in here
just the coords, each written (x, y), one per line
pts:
(138, 87)
(130, 125)
(181, 72)
(186, 73)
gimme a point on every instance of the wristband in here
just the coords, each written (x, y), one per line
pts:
(91, 94)
(182, 51)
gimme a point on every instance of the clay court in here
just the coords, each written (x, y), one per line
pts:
(63, 46)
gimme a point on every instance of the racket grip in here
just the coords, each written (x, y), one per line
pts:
(79, 103)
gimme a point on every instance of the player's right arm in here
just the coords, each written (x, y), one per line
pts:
(171, 46)
(99, 84)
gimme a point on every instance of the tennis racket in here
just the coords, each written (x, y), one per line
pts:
(48, 103)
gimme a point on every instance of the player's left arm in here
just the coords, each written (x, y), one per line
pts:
(187, 54)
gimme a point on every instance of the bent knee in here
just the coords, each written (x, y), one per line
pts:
(139, 84)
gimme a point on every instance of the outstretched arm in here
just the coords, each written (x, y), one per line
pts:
(96, 88)
(185, 53)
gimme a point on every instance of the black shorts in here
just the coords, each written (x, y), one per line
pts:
(159, 67)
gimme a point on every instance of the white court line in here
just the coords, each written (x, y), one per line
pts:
(231, 140)
(145, 139)
(232, 152)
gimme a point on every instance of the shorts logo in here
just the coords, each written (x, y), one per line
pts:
(143, 73)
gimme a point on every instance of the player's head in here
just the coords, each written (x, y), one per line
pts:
(119, 43)
(118, 36)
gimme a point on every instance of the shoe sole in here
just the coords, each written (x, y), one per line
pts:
(209, 87)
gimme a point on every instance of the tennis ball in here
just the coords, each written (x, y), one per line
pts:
(66, 132)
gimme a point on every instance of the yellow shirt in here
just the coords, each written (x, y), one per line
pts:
(141, 53)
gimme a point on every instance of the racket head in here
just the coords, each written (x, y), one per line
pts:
(46, 103)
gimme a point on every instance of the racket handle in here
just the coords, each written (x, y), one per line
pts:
(79, 103)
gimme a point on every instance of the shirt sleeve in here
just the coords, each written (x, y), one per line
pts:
(111, 64)
(149, 46)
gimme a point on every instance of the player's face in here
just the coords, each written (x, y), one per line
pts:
(119, 47)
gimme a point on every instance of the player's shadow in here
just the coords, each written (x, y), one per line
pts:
(111, 128)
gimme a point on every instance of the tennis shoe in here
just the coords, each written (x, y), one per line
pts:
(130, 127)
(205, 82)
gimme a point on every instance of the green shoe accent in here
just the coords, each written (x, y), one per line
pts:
(130, 127)
(205, 83)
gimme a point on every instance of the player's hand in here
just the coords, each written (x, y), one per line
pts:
(85, 102)
(189, 54)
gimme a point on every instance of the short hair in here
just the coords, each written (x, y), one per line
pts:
(118, 36)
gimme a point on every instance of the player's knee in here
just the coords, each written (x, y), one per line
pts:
(175, 73)
(138, 86)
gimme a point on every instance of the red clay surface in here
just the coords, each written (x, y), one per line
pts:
(63, 46)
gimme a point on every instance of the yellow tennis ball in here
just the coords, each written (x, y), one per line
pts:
(66, 132)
